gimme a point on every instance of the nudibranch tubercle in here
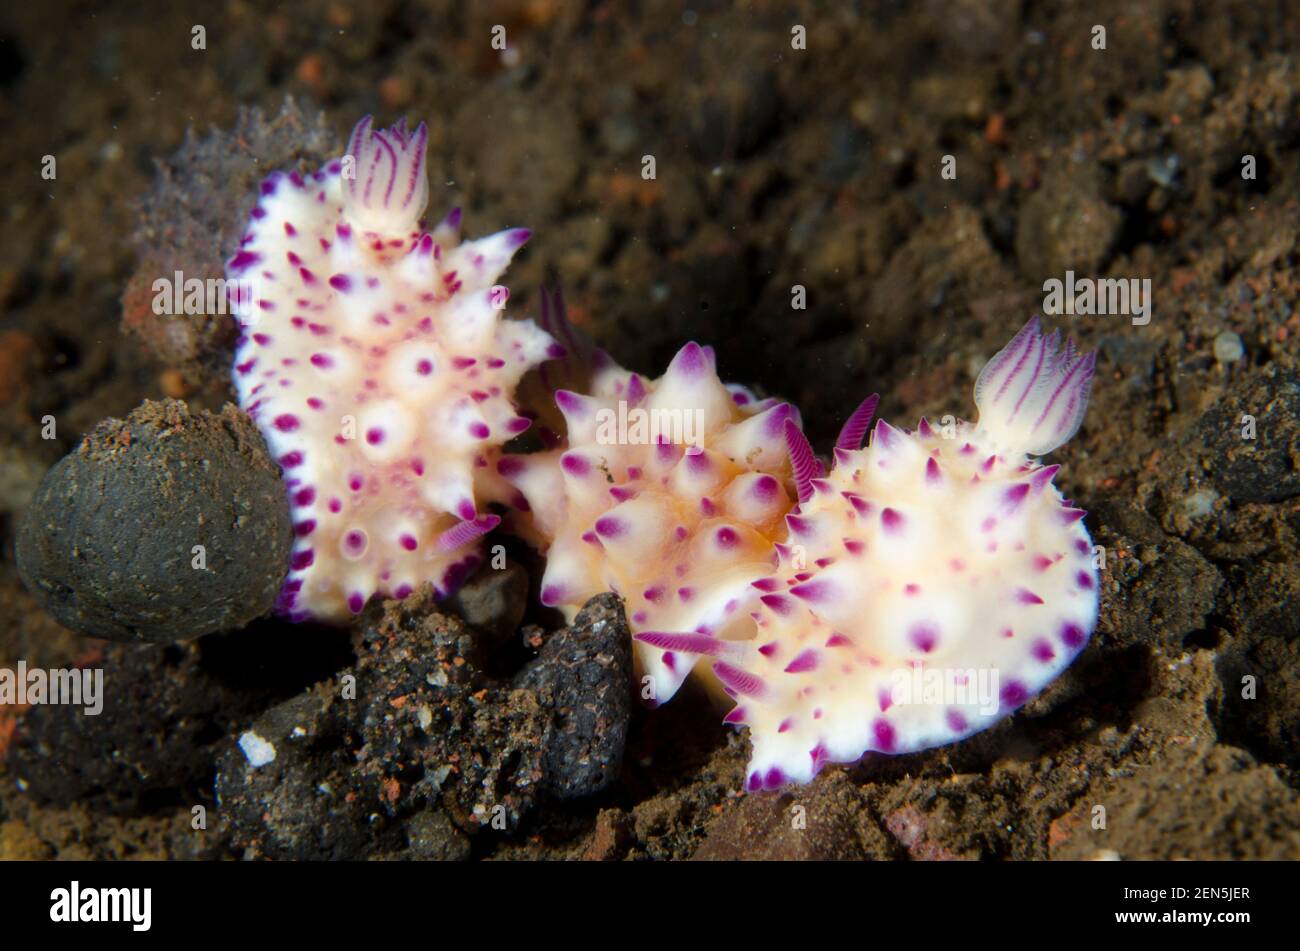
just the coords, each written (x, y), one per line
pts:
(932, 582)
(375, 359)
(671, 493)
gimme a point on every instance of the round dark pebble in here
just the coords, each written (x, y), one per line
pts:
(108, 545)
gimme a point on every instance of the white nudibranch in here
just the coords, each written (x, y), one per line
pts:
(671, 493)
(375, 359)
(930, 583)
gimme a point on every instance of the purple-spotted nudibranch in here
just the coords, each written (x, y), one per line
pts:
(931, 583)
(375, 359)
(671, 493)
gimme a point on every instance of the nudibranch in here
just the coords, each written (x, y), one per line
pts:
(931, 582)
(376, 361)
(672, 493)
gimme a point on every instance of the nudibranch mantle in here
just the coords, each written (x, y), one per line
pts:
(376, 361)
(930, 584)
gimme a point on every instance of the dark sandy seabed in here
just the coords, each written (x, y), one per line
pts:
(775, 167)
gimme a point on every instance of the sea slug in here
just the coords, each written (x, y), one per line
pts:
(671, 493)
(931, 583)
(374, 358)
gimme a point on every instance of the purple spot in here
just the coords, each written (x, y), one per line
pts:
(883, 731)
(374, 435)
(479, 430)
(510, 466)
(302, 559)
(1025, 596)
(424, 367)
(610, 526)
(1014, 496)
(924, 636)
(354, 542)
(356, 602)
(409, 542)
(799, 525)
(568, 402)
(765, 488)
(341, 282)
(322, 360)
(243, 261)
(552, 594)
(806, 661)
(304, 496)
(891, 520)
(291, 459)
(812, 590)
(285, 423)
(1042, 650)
(1084, 580)
(1073, 636)
(956, 721)
(777, 603)
(1014, 694)
(727, 537)
(305, 528)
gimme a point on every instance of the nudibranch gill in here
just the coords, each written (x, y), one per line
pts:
(931, 582)
(670, 492)
(376, 360)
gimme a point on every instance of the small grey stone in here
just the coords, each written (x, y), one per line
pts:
(584, 675)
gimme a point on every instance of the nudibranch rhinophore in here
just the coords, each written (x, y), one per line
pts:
(930, 584)
(375, 359)
(672, 493)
